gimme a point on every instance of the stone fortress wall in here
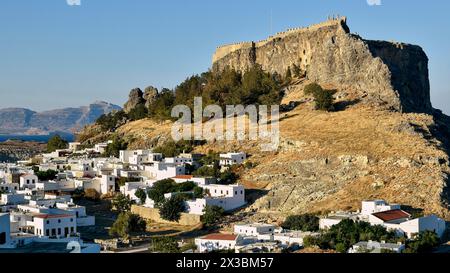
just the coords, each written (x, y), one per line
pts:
(223, 50)
(392, 75)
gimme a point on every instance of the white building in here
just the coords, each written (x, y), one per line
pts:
(400, 221)
(228, 197)
(230, 159)
(139, 156)
(391, 217)
(254, 229)
(161, 171)
(218, 241)
(55, 225)
(376, 247)
(73, 146)
(196, 180)
(12, 199)
(374, 206)
(103, 185)
(9, 187)
(28, 181)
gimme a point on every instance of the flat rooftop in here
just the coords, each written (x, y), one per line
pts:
(40, 248)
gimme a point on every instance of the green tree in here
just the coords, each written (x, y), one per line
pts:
(341, 248)
(305, 222)
(324, 100)
(138, 112)
(212, 214)
(198, 192)
(56, 142)
(141, 194)
(312, 89)
(121, 203)
(205, 171)
(423, 243)
(114, 148)
(46, 175)
(172, 208)
(110, 122)
(126, 224)
(164, 245)
(228, 177)
(156, 193)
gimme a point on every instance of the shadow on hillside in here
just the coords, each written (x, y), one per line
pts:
(251, 195)
(343, 105)
(441, 131)
(415, 212)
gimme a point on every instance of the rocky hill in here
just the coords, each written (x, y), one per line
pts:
(384, 139)
(19, 121)
(393, 75)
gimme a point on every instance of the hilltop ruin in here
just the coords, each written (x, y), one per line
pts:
(393, 75)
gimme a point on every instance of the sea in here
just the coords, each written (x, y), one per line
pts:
(36, 138)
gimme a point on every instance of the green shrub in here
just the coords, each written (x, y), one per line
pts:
(164, 245)
(92, 194)
(423, 243)
(306, 222)
(56, 143)
(126, 224)
(212, 214)
(121, 203)
(172, 208)
(312, 88)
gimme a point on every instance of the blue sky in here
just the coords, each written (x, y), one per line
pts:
(54, 55)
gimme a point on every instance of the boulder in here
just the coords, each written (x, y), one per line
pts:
(134, 98)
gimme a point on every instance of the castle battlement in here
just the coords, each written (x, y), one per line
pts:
(224, 50)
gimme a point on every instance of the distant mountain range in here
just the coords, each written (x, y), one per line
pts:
(21, 121)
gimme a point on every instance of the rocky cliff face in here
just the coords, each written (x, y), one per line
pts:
(68, 120)
(392, 75)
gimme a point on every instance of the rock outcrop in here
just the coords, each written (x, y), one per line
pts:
(392, 75)
(134, 98)
(150, 94)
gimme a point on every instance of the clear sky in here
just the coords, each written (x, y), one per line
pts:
(54, 55)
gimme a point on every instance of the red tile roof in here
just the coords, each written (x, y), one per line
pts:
(51, 216)
(183, 177)
(220, 237)
(391, 215)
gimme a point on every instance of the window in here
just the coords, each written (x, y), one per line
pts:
(59, 231)
(48, 222)
(59, 220)
(71, 219)
(2, 238)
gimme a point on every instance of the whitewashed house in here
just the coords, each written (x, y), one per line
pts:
(218, 241)
(28, 181)
(161, 171)
(376, 247)
(230, 159)
(254, 229)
